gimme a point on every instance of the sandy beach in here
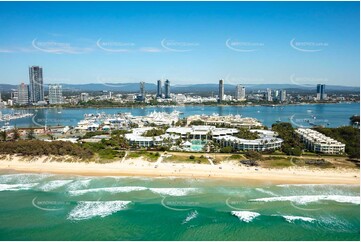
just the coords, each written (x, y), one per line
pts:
(140, 167)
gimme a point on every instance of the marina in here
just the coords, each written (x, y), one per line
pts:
(328, 115)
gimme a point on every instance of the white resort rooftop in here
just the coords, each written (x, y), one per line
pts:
(318, 142)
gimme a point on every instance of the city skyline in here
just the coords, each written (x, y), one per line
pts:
(291, 43)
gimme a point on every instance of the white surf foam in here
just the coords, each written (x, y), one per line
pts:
(316, 185)
(291, 219)
(266, 192)
(22, 178)
(108, 189)
(90, 209)
(190, 216)
(79, 184)
(173, 191)
(337, 224)
(52, 185)
(17, 187)
(311, 198)
(245, 216)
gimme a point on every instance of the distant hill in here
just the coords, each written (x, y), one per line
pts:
(189, 88)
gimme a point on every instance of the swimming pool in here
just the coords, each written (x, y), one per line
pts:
(197, 145)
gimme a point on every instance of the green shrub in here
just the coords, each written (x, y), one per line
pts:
(253, 155)
(227, 149)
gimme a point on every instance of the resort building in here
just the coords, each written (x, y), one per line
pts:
(226, 121)
(318, 142)
(201, 132)
(225, 137)
(267, 141)
(136, 138)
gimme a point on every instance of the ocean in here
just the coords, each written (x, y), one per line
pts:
(67, 207)
(329, 115)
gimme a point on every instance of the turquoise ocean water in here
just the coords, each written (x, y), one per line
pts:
(59, 207)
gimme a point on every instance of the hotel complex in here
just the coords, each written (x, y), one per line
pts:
(267, 141)
(197, 136)
(318, 142)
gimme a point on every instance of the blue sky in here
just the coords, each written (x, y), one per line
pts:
(185, 42)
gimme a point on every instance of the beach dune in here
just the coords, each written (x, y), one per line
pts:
(140, 167)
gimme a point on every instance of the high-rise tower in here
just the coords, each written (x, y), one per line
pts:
(221, 91)
(167, 89)
(159, 88)
(321, 92)
(36, 86)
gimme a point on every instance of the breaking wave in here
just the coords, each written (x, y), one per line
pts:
(17, 187)
(291, 219)
(23, 178)
(173, 191)
(190, 216)
(245, 216)
(79, 184)
(107, 189)
(266, 192)
(52, 185)
(90, 209)
(311, 198)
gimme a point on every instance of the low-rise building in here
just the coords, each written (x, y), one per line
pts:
(201, 132)
(267, 141)
(137, 138)
(318, 142)
(228, 120)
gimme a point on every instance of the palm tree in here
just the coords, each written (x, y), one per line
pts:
(31, 134)
(16, 134)
(3, 135)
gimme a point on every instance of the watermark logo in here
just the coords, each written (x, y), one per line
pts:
(49, 205)
(176, 204)
(308, 46)
(244, 46)
(239, 203)
(304, 209)
(244, 81)
(308, 82)
(178, 46)
(115, 82)
(115, 46)
(308, 122)
(58, 47)
(43, 122)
